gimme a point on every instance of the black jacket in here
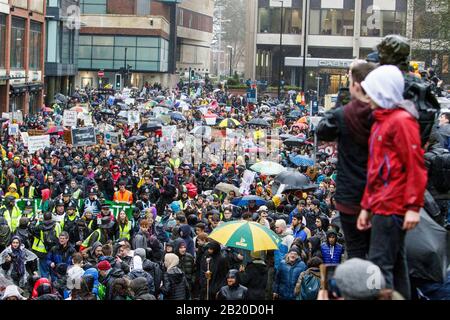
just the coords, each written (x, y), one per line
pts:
(353, 149)
(237, 292)
(143, 274)
(140, 289)
(255, 279)
(175, 285)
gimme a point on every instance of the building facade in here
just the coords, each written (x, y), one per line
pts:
(22, 43)
(194, 36)
(119, 34)
(62, 47)
(337, 31)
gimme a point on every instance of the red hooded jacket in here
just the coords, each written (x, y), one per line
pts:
(396, 174)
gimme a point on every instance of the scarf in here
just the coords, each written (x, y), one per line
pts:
(18, 258)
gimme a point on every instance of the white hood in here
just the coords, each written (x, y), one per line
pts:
(385, 86)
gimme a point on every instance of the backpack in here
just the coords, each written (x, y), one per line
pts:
(422, 95)
(438, 163)
(310, 287)
(50, 238)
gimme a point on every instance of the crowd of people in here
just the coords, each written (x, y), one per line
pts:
(61, 236)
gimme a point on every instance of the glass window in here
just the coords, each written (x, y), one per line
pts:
(102, 52)
(125, 41)
(147, 42)
(102, 64)
(379, 23)
(147, 54)
(35, 45)
(85, 52)
(336, 22)
(142, 7)
(85, 40)
(17, 43)
(145, 66)
(93, 6)
(84, 63)
(2, 40)
(102, 41)
(269, 20)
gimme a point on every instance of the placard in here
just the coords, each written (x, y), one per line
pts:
(13, 129)
(134, 117)
(70, 118)
(112, 138)
(25, 137)
(36, 143)
(84, 136)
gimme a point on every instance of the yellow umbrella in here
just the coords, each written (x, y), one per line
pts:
(229, 123)
(246, 235)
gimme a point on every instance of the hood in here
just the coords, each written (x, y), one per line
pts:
(38, 283)
(91, 272)
(138, 274)
(13, 185)
(233, 273)
(186, 229)
(385, 86)
(139, 286)
(116, 273)
(177, 244)
(45, 194)
(171, 260)
(48, 225)
(140, 252)
(215, 246)
(94, 247)
(286, 232)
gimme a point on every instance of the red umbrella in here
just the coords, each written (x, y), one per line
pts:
(56, 130)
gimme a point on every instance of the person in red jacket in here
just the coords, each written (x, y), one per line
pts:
(396, 176)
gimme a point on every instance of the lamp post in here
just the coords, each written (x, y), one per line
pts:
(231, 60)
(281, 51)
(305, 27)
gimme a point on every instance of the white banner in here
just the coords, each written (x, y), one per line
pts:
(277, 3)
(134, 117)
(247, 181)
(70, 118)
(38, 142)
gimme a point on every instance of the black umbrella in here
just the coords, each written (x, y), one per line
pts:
(294, 180)
(137, 139)
(150, 126)
(426, 250)
(3, 120)
(259, 122)
(60, 98)
(294, 142)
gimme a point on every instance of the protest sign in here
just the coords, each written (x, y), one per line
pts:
(112, 138)
(13, 129)
(36, 143)
(247, 181)
(24, 136)
(70, 118)
(84, 136)
(134, 117)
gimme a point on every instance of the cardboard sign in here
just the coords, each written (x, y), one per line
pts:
(36, 143)
(25, 137)
(112, 138)
(84, 136)
(35, 132)
(134, 117)
(13, 129)
(70, 118)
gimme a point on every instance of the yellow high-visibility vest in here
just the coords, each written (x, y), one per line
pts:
(86, 242)
(38, 243)
(125, 232)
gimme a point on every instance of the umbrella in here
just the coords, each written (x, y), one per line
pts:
(160, 110)
(150, 126)
(426, 250)
(295, 114)
(227, 187)
(243, 201)
(77, 109)
(286, 136)
(3, 120)
(255, 150)
(177, 116)
(107, 111)
(150, 104)
(47, 109)
(294, 142)
(202, 131)
(56, 130)
(246, 235)
(229, 123)
(137, 139)
(301, 161)
(259, 122)
(268, 168)
(293, 180)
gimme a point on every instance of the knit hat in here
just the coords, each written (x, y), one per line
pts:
(385, 86)
(294, 249)
(359, 279)
(103, 265)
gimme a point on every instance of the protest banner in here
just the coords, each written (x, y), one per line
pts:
(38, 142)
(70, 118)
(84, 136)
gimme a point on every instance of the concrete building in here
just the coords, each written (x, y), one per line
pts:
(22, 34)
(194, 36)
(337, 31)
(62, 47)
(157, 39)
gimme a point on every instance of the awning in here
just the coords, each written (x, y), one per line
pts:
(35, 87)
(18, 89)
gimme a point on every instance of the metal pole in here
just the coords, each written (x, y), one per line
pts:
(231, 61)
(315, 146)
(189, 85)
(318, 90)
(304, 46)
(281, 51)
(125, 76)
(219, 66)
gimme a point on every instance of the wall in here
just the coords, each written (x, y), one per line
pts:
(201, 6)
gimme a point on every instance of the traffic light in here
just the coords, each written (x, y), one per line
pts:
(192, 75)
(118, 81)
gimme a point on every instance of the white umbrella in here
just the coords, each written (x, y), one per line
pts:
(202, 131)
(268, 168)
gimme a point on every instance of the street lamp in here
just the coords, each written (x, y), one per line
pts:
(231, 60)
(304, 45)
(281, 51)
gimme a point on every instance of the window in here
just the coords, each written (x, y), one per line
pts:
(2, 40)
(35, 45)
(142, 7)
(270, 20)
(378, 21)
(93, 6)
(335, 22)
(17, 43)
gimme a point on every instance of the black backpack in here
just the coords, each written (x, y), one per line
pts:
(438, 163)
(422, 95)
(50, 238)
(310, 287)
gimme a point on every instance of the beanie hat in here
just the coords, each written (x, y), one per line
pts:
(103, 265)
(359, 279)
(385, 86)
(294, 249)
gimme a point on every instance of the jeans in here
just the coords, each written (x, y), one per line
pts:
(43, 268)
(357, 242)
(387, 251)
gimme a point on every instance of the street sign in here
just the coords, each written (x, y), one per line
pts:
(101, 74)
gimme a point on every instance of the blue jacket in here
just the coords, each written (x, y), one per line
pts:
(286, 278)
(94, 273)
(59, 255)
(283, 247)
(326, 253)
(300, 233)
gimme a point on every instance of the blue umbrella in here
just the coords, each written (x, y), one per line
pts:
(177, 116)
(301, 161)
(295, 114)
(243, 201)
